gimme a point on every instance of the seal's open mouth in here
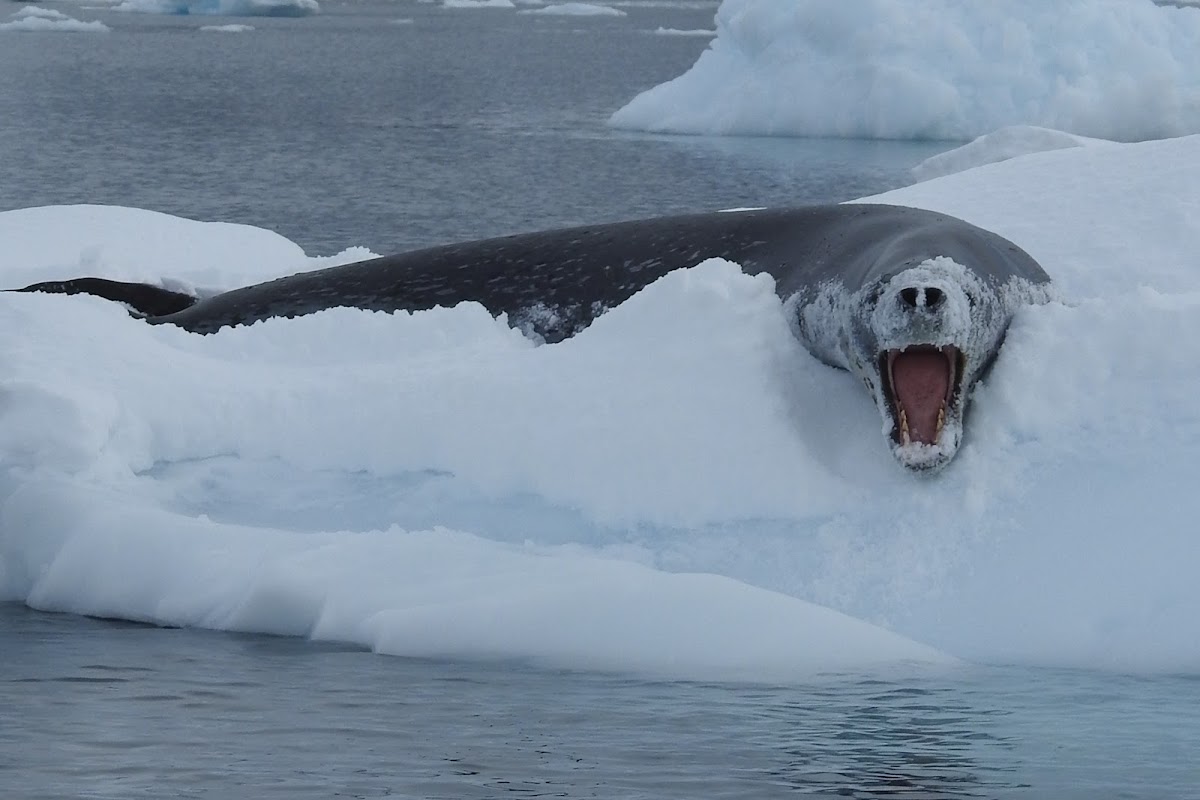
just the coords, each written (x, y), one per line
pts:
(921, 384)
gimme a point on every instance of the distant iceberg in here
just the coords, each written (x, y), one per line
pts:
(32, 18)
(224, 8)
(576, 10)
(477, 4)
(701, 32)
(935, 70)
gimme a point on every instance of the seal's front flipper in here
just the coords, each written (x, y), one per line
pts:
(142, 299)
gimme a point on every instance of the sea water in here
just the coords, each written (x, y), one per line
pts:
(119, 710)
(395, 125)
(351, 128)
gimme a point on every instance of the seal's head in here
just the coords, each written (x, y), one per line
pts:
(918, 335)
(919, 340)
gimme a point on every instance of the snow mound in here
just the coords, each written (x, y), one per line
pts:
(210, 256)
(1001, 145)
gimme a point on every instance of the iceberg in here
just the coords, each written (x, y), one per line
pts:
(936, 70)
(680, 490)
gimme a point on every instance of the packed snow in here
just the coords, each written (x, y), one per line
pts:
(226, 28)
(32, 18)
(1001, 145)
(680, 490)
(1125, 70)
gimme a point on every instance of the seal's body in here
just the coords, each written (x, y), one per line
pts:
(914, 302)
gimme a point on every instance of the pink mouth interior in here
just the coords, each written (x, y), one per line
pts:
(921, 383)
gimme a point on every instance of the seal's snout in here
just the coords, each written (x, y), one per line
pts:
(929, 298)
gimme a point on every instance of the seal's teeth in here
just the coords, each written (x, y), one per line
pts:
(941, 422)
(905, 436)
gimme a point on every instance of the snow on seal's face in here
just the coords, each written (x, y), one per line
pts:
(918, 340)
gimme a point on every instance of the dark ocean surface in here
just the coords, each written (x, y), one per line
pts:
(351, 128)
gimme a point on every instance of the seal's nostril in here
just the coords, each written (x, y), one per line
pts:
(927, 297)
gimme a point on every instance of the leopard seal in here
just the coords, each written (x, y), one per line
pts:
(914, 303)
